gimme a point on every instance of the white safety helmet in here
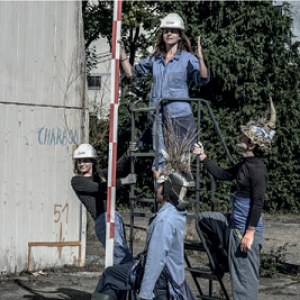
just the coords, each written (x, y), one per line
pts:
(172, 21)
(85, 151)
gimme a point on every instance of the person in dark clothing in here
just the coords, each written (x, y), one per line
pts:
(235, 240)
(90, 186)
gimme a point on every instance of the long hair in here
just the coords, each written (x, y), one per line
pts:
(95, 167)
(160, 46)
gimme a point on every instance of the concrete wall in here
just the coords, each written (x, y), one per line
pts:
(41, 107)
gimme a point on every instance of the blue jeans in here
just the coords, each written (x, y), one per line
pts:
(121, 252)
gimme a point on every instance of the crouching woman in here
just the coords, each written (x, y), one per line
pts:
(90, 186)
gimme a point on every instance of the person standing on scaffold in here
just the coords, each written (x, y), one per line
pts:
(173, 68)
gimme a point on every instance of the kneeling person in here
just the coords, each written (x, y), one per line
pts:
(164, 247)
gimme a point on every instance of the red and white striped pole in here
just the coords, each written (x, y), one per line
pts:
(113, 131)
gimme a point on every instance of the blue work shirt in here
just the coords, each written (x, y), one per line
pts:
(171, 80)
(165, 247)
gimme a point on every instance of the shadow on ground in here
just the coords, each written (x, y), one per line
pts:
(66, 293)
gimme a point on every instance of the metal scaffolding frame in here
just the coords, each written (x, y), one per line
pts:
(211, 274)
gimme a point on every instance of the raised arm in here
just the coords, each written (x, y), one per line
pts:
(124, 60)
(202, 67)
(216, 171)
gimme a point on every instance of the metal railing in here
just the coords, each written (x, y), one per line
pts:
(156, 155)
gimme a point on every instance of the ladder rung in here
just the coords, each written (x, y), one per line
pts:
(192, 216)
(193, 245)
(144, 109)
(202, 273)
(144, 154)
(142, 199)
(147, 214)
(206, 297)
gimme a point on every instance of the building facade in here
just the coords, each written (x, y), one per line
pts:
(43, 115)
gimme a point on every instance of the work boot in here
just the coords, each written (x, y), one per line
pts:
(100, 296)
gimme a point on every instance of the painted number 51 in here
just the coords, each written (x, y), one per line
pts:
(59, 210)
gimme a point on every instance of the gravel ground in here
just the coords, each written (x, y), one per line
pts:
(71, 282)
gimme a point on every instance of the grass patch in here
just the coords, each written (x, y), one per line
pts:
(270, 265)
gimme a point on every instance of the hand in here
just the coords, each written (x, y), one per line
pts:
(198, 149)
(247, 241)
(132, 148)
(156, 174)
(199, 50)
(129, 179)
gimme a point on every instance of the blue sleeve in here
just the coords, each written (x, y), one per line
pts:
(194, 73)
(159, 246)
(142, 68)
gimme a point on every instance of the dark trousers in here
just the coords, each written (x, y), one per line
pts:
(114, 279)
(216, 235)
(243, 267)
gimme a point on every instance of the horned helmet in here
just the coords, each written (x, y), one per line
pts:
(262, 131)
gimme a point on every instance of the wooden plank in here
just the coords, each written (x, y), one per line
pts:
(54, 244)
(29, 258)
(80, 256)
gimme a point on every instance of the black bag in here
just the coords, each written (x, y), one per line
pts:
(140, 270)
(136, 273)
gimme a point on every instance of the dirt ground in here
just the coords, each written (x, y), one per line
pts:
(282, 240)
